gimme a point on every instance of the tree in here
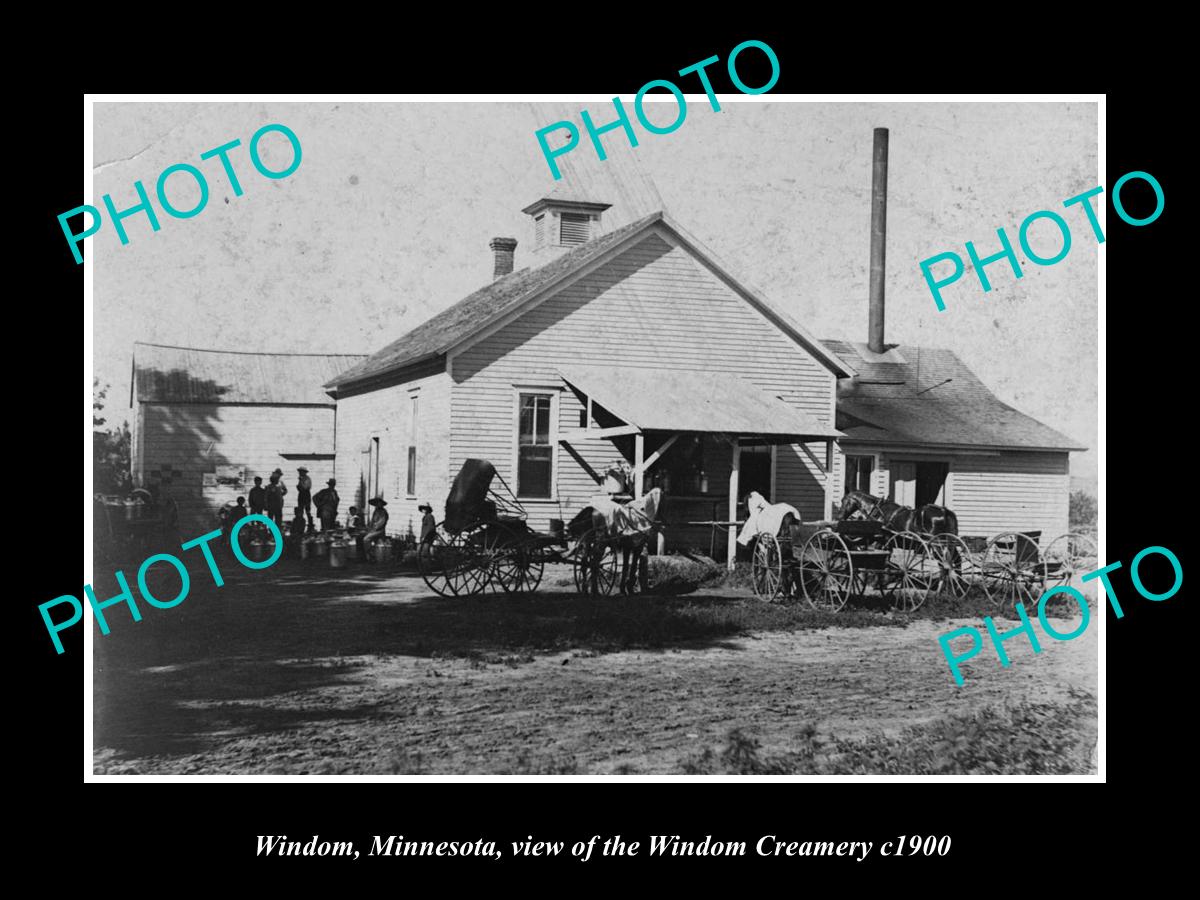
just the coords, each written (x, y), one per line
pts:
(111, 470)
(1082, 509)
(98, 396)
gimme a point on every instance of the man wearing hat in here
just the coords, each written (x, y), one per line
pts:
(275, 491)
(377, 528)
(428, 525)
(304, 493)
(327, 501)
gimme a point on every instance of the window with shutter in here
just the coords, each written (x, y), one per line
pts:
(575, 228)
(539, 231)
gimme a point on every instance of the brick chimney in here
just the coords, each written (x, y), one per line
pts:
(503, 248)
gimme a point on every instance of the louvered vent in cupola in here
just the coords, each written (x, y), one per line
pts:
(562, 221)
(575, 228)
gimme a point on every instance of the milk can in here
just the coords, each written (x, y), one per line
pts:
(337, 555)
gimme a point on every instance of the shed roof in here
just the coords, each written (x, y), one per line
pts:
(927, 395)
(167, 374)
(682, 400)
(494, 301)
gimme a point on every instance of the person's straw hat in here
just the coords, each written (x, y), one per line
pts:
(377, 501)
(425, 507)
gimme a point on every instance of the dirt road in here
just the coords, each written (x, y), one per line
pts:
(290, 673)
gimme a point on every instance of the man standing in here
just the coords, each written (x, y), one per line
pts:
(275, 491)
(327, 501)
(258, 497)
(304, 493)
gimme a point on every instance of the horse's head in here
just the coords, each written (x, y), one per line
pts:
(857, 504)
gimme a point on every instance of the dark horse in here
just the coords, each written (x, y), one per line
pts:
(928, 519)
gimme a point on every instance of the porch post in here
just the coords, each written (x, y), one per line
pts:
(733, 502)
(639, 463)
(828, 479)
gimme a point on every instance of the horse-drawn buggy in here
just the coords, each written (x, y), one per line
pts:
(904, 556)
(485, 543)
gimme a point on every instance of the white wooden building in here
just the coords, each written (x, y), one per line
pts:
(639, 344)
(207, 421)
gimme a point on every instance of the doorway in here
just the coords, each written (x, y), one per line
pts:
(754, 471)
(919, 483)
(369, 477)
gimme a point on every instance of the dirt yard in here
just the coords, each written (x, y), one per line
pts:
(299, 669)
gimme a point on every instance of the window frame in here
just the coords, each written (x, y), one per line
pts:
(546, 390)
(410, 484)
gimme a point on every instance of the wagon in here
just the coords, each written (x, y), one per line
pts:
(485, 543)
(1014, 569)
(830, 563)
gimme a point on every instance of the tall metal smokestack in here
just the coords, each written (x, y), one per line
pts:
(878, 239)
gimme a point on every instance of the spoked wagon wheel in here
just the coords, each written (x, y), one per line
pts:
(958, 568)
(912, 570)
(767, 568)
(454, 564)
(1068, 556)
(478, 548)
(518, 570)
(826, 571)
(437, 561)
(1012, 570)
(596, 565)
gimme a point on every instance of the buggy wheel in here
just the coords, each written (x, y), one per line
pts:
(826, 571)
(454, 564)
(437, 561)
(596, 565)
(911, 571)
(958, 569)
(1012, 570)
(518, 570)
(767, 568)
(478, 550)
(1067, 556)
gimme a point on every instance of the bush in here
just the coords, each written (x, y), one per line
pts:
(1082, 510)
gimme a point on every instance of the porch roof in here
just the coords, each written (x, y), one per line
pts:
(681, 400)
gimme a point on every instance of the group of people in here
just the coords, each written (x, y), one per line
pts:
(269, 501)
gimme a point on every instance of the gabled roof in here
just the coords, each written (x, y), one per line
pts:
(477, 312)
(167, 374)
(927, 395)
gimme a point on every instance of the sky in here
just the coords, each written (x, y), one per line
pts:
(388, 217)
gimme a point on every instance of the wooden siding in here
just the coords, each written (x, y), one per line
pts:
(1018, 490)
(653, 306)
(386, 413)
(192, 439)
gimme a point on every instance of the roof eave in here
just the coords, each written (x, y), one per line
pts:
(381, 374)
(911, 442)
